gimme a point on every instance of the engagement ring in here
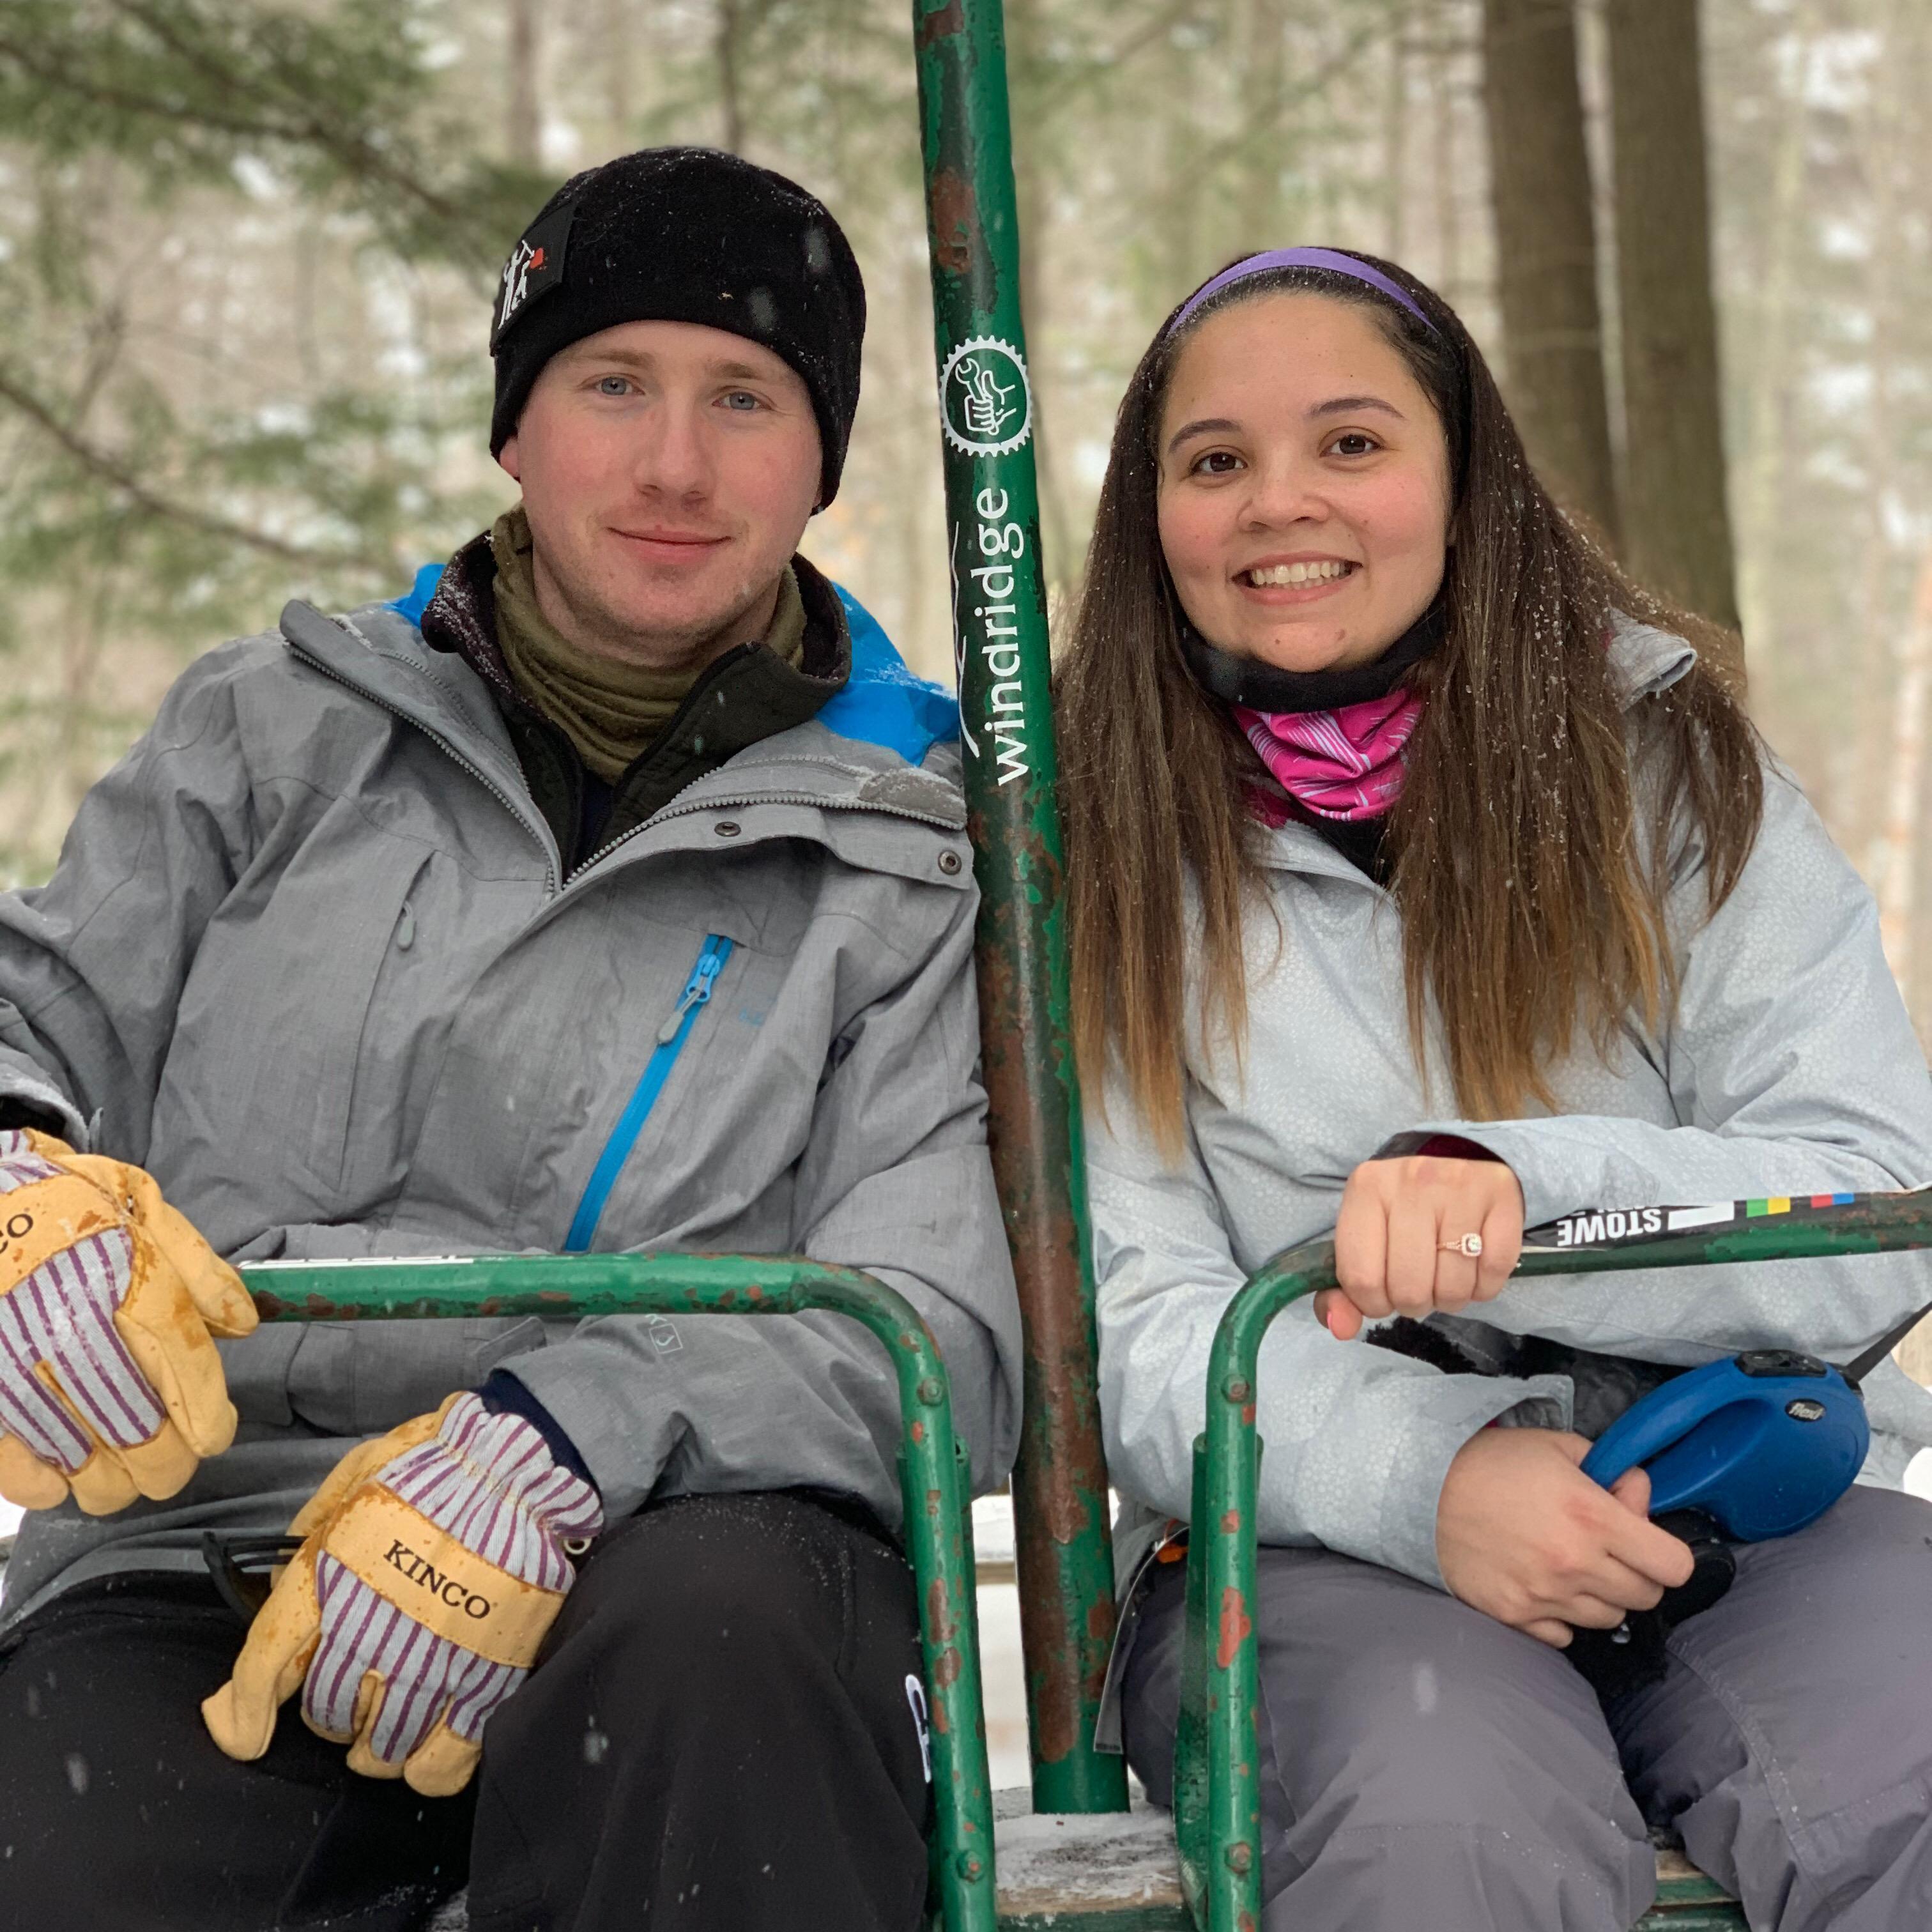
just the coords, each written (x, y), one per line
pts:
(1471, 1245)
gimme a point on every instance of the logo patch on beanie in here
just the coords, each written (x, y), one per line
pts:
(534, 268)
(985, 402)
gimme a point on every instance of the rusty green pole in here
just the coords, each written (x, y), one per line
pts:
(999, 628)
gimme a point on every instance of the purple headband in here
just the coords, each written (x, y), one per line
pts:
(1332, 260)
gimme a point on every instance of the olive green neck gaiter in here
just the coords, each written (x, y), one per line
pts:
(610, 710)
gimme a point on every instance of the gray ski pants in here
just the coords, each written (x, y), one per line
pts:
(1426, 1766)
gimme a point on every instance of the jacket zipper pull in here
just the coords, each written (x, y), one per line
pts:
(697, 993)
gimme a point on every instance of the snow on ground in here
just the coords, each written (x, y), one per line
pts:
(1003, 1674)
(1002, 1668)
(10, 1519)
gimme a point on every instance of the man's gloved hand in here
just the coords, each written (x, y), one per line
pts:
(433, 1565)
(110, 1387)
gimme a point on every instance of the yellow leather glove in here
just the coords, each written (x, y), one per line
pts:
(432, 1566)
(110, 1387)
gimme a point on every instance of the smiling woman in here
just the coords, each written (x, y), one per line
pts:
(1360, 731)
(1317, 508)
(1304, 502)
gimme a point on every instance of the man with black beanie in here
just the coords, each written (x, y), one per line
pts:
(607, 891)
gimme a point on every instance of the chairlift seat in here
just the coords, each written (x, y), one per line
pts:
(1117, 1872)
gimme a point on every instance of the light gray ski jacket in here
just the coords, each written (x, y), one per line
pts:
(307, 956)
(1788, 1067)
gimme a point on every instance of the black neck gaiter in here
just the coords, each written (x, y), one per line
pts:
(1267, 687)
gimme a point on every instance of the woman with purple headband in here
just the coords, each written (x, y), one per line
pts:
(1425, 883)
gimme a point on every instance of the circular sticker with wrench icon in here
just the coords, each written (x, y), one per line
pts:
(986, 402)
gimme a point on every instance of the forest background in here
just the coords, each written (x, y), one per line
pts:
(248, 249)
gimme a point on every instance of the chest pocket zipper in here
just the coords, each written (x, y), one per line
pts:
(671, 1038)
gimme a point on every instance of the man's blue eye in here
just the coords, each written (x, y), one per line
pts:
(742, 400)
(613, 385)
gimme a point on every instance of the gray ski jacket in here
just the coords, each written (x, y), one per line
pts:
(1788, 1067)
(307, 956)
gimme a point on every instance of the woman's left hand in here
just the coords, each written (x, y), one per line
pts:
(1402, 1243)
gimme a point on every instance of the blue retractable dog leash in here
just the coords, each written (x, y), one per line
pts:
(1763, 1443)
(1756, 1446)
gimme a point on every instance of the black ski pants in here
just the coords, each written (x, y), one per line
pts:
(720, 1737)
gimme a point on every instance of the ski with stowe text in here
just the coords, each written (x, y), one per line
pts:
(1596, 1229)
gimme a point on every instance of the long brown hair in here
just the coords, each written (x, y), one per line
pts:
(1528, 907)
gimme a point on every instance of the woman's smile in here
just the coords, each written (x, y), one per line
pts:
(1278, 583)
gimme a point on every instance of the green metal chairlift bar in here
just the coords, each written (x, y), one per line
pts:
(932, 1478)
(999, 617)
(1217, 1792)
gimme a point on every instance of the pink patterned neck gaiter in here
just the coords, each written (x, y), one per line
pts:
(1344, 763)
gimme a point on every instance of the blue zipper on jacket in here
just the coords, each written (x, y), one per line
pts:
(671, 1037)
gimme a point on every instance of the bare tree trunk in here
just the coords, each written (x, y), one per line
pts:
(1547, 251)
(308, 348)
(1676, 523)
(614, 23)
(1181, 224)
(731, 80)
(80, 668)
(1770, 387)
(1897, 893)
(1263, 85)
(89, 602)
(1447, 211)
(1878, 669)
(1395, 139)
(1905, 786)
(523, 125)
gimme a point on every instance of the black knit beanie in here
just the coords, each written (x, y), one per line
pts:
(686, 234)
